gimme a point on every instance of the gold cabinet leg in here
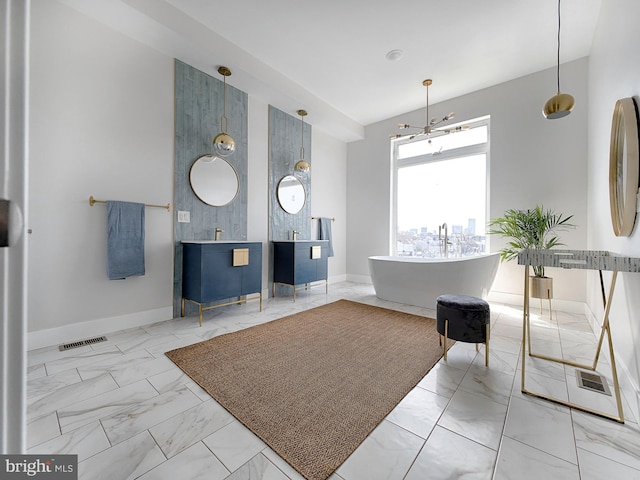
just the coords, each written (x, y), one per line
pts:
(200, 306)
(182, 308)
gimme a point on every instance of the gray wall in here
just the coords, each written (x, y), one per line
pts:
(614, 73)
(532, 160)
(199, 108)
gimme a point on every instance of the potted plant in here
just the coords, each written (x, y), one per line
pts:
(531, 229)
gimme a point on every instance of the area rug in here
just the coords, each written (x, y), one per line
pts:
(313, 385)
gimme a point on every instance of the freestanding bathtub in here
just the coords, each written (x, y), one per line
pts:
(419, 281)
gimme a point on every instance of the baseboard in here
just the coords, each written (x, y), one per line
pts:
(93, 328)
(337, 278)
(515, 299)
(630, 389)
(359, 279)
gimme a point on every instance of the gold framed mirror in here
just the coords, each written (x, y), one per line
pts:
(291, 194)
(624, 166)
(214, 180)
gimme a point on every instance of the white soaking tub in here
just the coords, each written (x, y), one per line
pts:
(419, 281)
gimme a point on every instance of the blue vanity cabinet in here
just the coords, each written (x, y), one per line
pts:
(300, 262)
(215, 270)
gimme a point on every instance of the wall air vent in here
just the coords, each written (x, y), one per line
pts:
(82, 343)
(592, 381)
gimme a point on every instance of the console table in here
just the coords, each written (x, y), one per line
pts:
(586, 260)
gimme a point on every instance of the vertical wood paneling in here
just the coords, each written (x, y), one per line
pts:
(199, 108)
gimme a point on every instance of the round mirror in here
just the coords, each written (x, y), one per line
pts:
(214, 180)
(291, 195)
(623, 166)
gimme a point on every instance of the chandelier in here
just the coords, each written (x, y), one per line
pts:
(432, 128)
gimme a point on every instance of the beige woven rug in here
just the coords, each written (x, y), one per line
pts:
(313, 385)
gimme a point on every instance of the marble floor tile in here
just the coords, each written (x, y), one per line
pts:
(460, 356)
(49, 354)
(449, 455)
(419, 411)
(505, 344)
(81, 359)
(141, 370)
(36, 371)
(234, 445)
(596, 467)
(144, 342)
(182, 341)
(259, 467)
(146, 414)
(115, 364)
(498, 361)
(38, 387)
(476, 418)
(285, 468)
(442, 379)
(519, 461)
(85, 442)
(193, 425)
(617, 442)
(81, 413)
(542, 385)
(41, 429)
(195, 463)
(541, 427)
(73, 393)
(488, 383)
(387, 453)
(168, 427)
(119, 336)
(543, 367)
(127, 460)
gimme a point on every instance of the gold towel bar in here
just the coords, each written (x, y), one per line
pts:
(318, 218)
(92, 201)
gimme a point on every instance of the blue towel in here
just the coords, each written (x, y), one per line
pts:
(324, 232)
(125, 239)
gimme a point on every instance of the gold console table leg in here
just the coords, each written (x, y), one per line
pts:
(606, 328)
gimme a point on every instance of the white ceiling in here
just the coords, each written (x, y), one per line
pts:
(328, 56)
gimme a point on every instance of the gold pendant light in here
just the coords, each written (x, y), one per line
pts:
(223, 143)
(302, 165)
(561, 104)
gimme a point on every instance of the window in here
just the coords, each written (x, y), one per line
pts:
(441, 181)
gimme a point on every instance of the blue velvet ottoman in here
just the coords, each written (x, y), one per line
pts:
(465, 319)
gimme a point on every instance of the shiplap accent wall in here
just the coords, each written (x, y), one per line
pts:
(199, 108)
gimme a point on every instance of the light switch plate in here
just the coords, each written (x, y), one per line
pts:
(184, 217)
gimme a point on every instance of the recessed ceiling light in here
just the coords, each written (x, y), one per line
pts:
(394, 55)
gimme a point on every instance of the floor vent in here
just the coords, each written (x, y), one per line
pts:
(592, 381)
(82, 343)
